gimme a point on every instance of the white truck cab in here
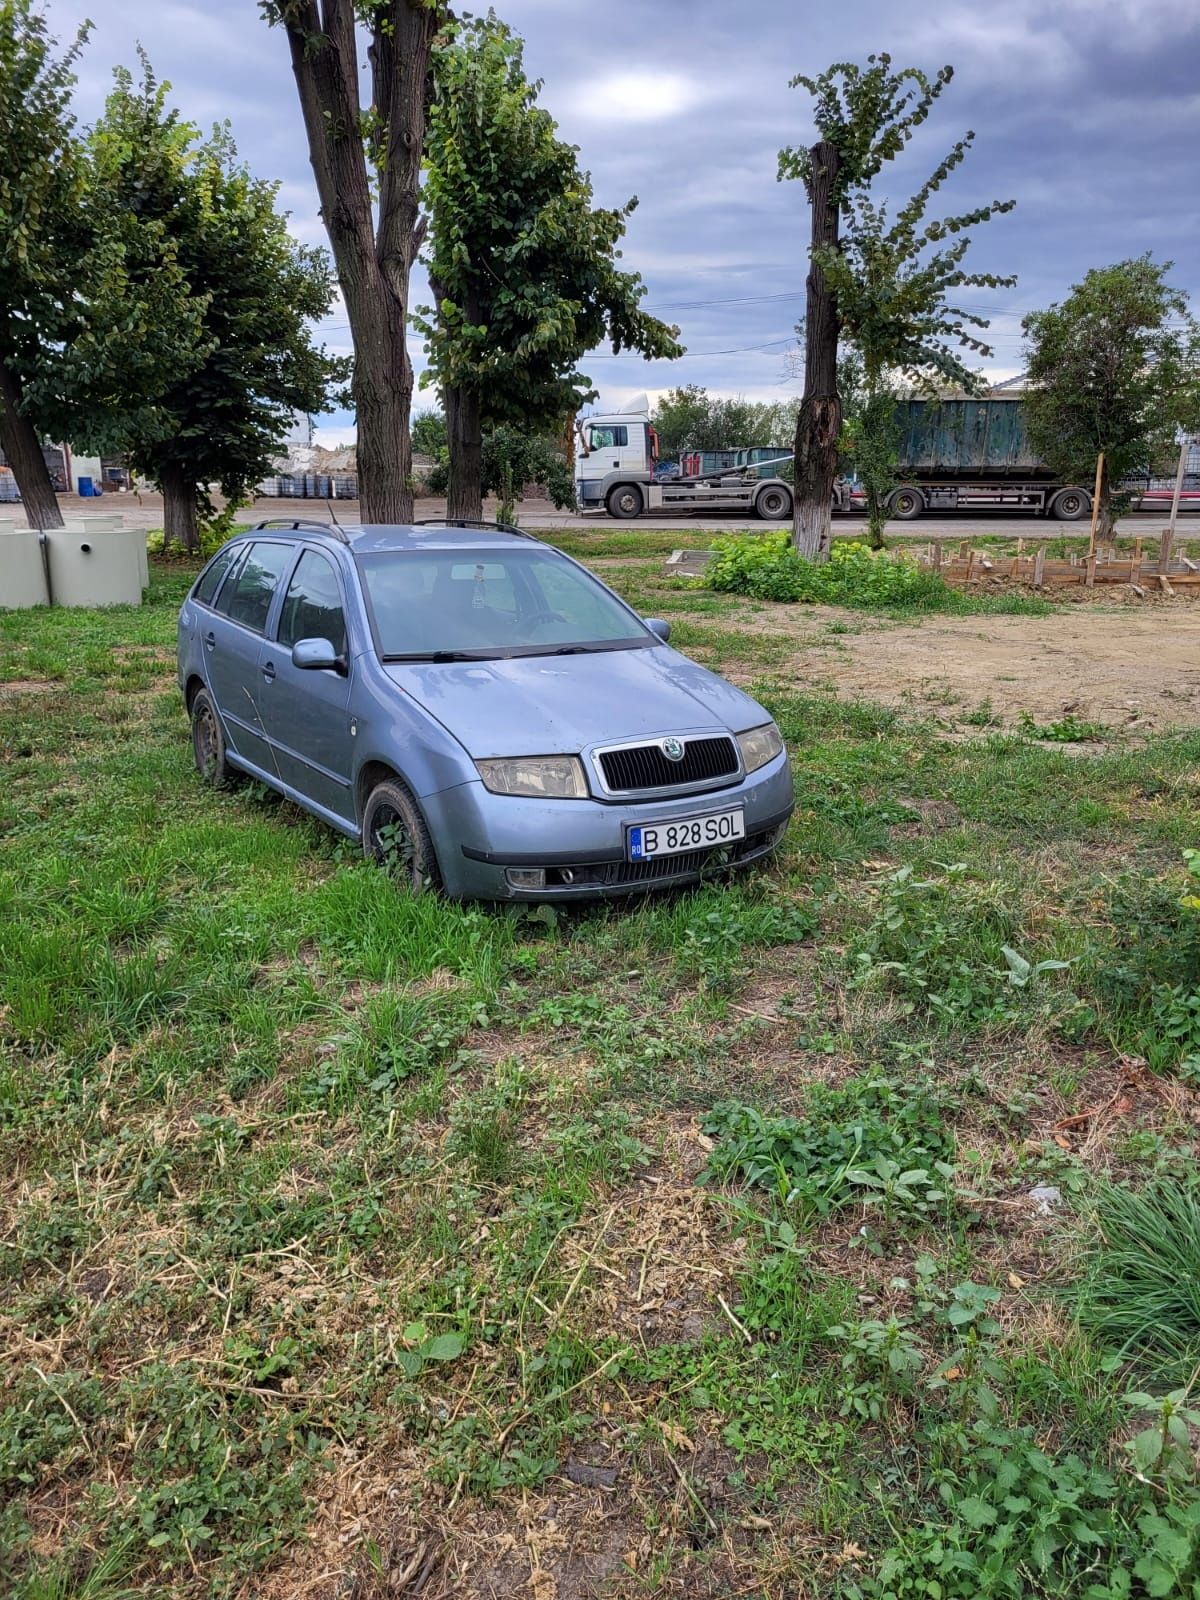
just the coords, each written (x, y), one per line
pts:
(614, 472)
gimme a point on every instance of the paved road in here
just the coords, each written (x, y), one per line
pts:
(144, 510)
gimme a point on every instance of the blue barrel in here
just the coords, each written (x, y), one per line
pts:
(85, 488)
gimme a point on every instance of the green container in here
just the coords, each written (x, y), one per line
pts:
(960, 439)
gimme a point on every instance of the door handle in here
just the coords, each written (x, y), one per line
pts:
(210, 640)
(268, 671)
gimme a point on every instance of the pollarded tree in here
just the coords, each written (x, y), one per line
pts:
(1114, 368)
(895, 283)
(189, 214)
(41, 221)
(367, 164)
(895, 292)
(522, 267)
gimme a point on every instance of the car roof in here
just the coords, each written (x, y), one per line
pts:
(374, 537)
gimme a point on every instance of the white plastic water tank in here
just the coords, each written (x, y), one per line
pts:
(93, 568)
(114, 522)
(22, 570)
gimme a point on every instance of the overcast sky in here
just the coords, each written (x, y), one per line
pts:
(1087, 112)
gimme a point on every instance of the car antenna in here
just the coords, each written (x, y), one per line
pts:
(333, 516)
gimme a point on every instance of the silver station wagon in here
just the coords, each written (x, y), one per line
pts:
(475, 707)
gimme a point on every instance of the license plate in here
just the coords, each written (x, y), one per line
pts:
(647, 840)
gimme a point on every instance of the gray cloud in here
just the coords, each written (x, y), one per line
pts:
(1086, 111)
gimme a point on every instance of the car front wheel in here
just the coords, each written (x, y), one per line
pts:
(394, 835)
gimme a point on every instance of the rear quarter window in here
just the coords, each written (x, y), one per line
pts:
(210, 578)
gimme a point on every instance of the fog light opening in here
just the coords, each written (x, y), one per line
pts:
(526, 877)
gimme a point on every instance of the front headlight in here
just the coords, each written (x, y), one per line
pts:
(760, 745)
(541, 777)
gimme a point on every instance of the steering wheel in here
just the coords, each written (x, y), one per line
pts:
(540, 617)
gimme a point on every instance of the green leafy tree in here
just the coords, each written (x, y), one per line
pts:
(1115, 368)
(882, 286)
(689, 418)
(524, 270)
(894, 282)
(40, 233)
(192, 225)
(512, 458)
(367, 165)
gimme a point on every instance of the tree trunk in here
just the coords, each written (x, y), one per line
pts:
(819, 424)
(23, 452)
(180, 520)
(373, 266)
(464, 435)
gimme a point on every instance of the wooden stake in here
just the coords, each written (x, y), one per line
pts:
(1090, 577)
(1168, 536)
(1096, 506)
(1164, 584)
(1039, 566)
(937, 555)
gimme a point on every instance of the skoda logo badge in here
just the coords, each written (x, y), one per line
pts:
(672, 749)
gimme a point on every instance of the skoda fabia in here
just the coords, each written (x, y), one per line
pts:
(476, 708)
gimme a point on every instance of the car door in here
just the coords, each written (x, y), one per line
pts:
(305, 711)
(232, 634)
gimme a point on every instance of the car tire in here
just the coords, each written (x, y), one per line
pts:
(395, 836)
(906, 505)
(208, 742)
(1070, 506)
(773, 505)
(624, 502)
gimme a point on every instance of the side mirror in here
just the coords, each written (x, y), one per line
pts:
(659, 628)
(315, 655)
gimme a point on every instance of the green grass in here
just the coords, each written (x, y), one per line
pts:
(315, 1195)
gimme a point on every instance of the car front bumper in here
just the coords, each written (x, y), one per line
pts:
(489, 845)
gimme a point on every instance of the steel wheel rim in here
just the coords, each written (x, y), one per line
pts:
(204, 739)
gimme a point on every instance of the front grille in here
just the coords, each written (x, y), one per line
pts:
(657, 867)
(694, 861)
(643, 766)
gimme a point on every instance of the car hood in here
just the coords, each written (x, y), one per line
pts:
(555, 705)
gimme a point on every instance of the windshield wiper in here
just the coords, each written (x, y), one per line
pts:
(439, 656)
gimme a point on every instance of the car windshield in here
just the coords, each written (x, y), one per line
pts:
(445, 604)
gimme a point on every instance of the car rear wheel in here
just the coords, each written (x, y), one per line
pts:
(773, 505)
(208, 742)
(624, 501)
(394, 835)
(907, 504)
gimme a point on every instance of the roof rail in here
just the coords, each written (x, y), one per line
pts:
(305, 524)
(473, 522)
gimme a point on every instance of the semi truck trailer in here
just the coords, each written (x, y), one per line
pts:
(615, 472)
(954, 455)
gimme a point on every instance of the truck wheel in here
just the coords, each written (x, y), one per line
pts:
(906, 504)
(624, 501)
(773, 505)
(1070, 505)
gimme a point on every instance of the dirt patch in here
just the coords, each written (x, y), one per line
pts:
(15, 687)
(1130, 670)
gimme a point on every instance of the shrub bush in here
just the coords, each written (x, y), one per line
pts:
(767, 567)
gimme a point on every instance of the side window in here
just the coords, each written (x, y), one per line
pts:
(611, 437)
(210, 578)
(312, 606)
(247, 597)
